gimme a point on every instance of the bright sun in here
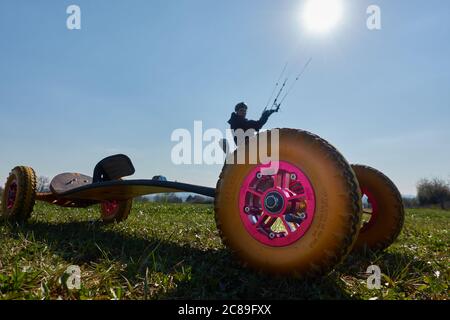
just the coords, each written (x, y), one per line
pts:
(321, 15)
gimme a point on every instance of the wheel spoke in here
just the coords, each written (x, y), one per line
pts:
(262, 218)
(282, 176)
(254, 192)
(275, 180)
(298, 197)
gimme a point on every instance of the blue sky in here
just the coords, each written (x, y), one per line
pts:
(137, 70)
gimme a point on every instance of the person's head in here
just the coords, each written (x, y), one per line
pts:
(241, 109)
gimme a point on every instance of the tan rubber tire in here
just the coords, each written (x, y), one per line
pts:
(25, 179)
(120, 213)
(386, 226)
(337, 216)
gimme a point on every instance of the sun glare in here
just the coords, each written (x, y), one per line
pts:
(321, 16)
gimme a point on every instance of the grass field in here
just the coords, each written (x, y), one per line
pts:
(174, 252)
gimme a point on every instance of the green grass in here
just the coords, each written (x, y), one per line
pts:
(174, 252)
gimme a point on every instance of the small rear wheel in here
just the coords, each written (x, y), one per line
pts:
(383, 212)
(19, 195)
(115, 211)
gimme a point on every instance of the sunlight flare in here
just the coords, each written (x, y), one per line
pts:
(321, 16)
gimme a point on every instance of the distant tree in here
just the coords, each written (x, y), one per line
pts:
(142, 199)
(173, 198)
(1, 193)
(198, 199)
(409, 202)
(43, 184)
(167, 198)
(158, 198)
(433, 192)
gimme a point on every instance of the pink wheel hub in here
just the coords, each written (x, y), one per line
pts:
(277, 209)
(109, 208)
(12, 194)
(373, 205)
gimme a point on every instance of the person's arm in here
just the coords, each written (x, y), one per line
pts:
(264, 117)
(244, 124)
(252, 124)
(257, 125)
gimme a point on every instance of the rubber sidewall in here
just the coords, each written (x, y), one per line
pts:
(25, 178)
(388, 222)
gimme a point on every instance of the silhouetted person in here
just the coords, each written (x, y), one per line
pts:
(239, 121)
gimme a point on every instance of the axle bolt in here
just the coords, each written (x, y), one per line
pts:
(293, 176)
(247, 209)
(259, 175)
